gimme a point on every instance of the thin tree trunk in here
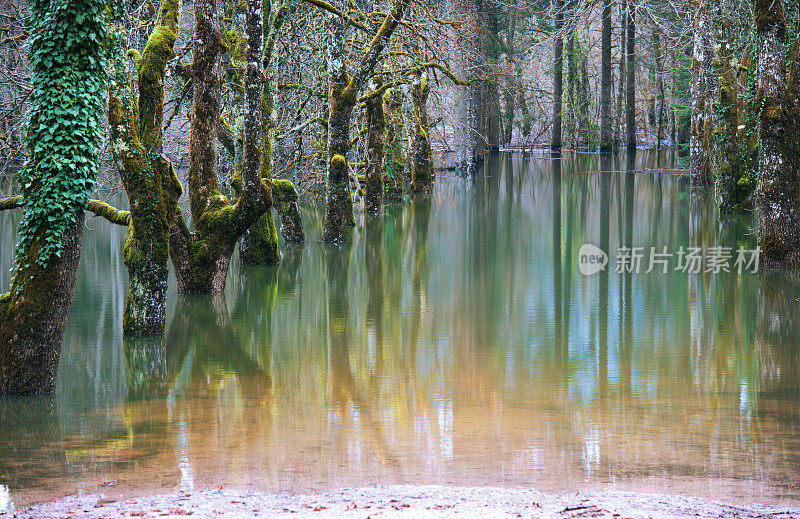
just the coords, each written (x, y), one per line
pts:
(606, 130)
(421, 154)
(558, 78)
(491, 51)
(376, 128)
(631, 71)
(703, 82)
(623, 55)
(659, 66)
(394, 162)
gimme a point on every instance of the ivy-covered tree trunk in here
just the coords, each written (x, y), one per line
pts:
(202, 258)
(34, 313)
(558, 78)
(64, 136)
(137, 137)
(421, 153)
(394, 163)
(376, 127)
(778, 192)
(704, 80)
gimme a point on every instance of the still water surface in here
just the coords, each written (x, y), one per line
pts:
(454, 341)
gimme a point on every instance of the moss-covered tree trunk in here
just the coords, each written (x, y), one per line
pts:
(33, 316)
(202, 258)
(63, 139)
(732, 188)
(421, 154)
(284, 195)
(338, 203)
(136, 131)
(778, 189)
(394, 162)
(342, 98)
(259, 244)
(376, 129)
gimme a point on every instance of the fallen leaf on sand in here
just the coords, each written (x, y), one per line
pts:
(180, 511)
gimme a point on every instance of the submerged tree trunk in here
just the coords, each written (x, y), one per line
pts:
(659, 71)
(285, 197)
(342, 98)
(623, 55)
(582, 87)
(259, 244)
(33, 316)
(421, 154)
(56, 182)
(732, 187)
(338, 201)
(630, 105)
(202, 258)
(510, 90)
(153, 189)
(491, 49)
(394, 163)
(606, 130)
(703, 82)
(558, 78)
(376, 128)
(470, 142)
(570, 121)
(778, 185)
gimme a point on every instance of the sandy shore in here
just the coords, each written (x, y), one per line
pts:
(401, 501)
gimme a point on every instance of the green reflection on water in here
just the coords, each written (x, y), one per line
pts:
(454, 341)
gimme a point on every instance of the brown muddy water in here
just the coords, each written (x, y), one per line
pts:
(455, 341)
